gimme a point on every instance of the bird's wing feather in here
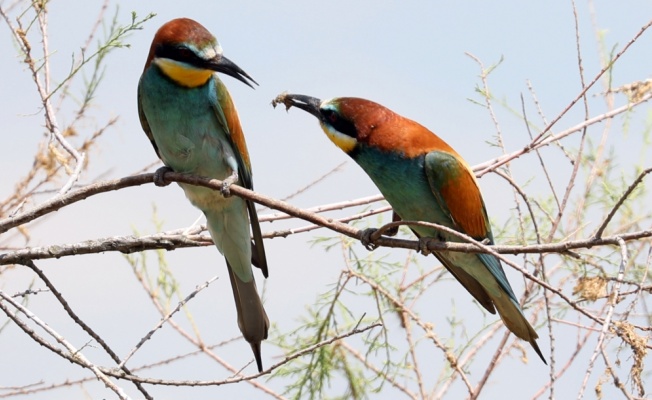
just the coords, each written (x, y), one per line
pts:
(227, 117)
(145, 124)
(470, 284)
(457, 192)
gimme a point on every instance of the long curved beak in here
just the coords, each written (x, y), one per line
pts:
(228, 67)
(306, 103)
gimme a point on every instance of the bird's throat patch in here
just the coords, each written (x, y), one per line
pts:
(183, 74)
(344, 142)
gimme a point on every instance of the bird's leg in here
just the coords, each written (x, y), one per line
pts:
(159, 176)
(227, 182)
(423, 246)
(366, 235)
(366, 240)
(393, 230)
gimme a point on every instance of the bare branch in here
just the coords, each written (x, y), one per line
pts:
(607, 320)
(630, 189)
(73, 354)
(128, 244)
(163, 320)
(30, 264)
(538, 142)
(491, 165)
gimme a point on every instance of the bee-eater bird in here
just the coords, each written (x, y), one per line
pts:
(189, 116)
(423, 179)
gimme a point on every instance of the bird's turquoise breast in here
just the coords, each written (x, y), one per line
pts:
(187, 133)
(403, 182)
(184, 126)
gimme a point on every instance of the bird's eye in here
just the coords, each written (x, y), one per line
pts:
(331, 116)
(184, 53)
(341, 124)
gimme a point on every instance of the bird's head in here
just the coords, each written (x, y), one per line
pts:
(351, 122)
(189, 54)
(347, 121)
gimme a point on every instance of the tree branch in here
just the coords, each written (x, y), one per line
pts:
(130, 244)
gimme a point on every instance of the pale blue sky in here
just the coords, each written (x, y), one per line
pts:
(407, 56)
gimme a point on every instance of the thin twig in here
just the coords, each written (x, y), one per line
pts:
(498, 354)
(427, 328)
(607, 321)
(612, 371)
(73, 354)
(537, 142)
(327, 207)
(489, 166)
(621, 200)
(149, 334)
(571, 359)
(236, 379)
(365, 360)
(98, 339)
(313, 182)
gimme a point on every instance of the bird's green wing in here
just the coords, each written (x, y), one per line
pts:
(145, 124)
(227, 117)
(457, 192)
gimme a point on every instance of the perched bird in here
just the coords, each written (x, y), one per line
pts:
(189, 116)
(423, 179)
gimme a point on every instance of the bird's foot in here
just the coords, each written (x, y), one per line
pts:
(423, 246)
(159, 176)
(394, 229)
(366, 239)
(391, 232)
(226, 184)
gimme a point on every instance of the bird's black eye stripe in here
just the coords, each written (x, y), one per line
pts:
(178, 53)
(340, 124)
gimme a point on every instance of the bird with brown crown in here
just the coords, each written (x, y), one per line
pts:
(189, 116)
(423, 179)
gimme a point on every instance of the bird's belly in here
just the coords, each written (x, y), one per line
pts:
(207, 199)
(202, 155)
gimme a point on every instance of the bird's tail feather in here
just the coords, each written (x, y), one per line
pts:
(229, 228)
(511, 314)
(252, 318)
(490, 287)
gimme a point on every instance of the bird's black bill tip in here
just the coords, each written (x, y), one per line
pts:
(306, 103)
(228, 67)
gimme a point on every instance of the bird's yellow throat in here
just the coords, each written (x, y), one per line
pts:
(182, 74)
(344, 142)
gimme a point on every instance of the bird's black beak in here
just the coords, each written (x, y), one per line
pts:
(228, 67)
(306, 103)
